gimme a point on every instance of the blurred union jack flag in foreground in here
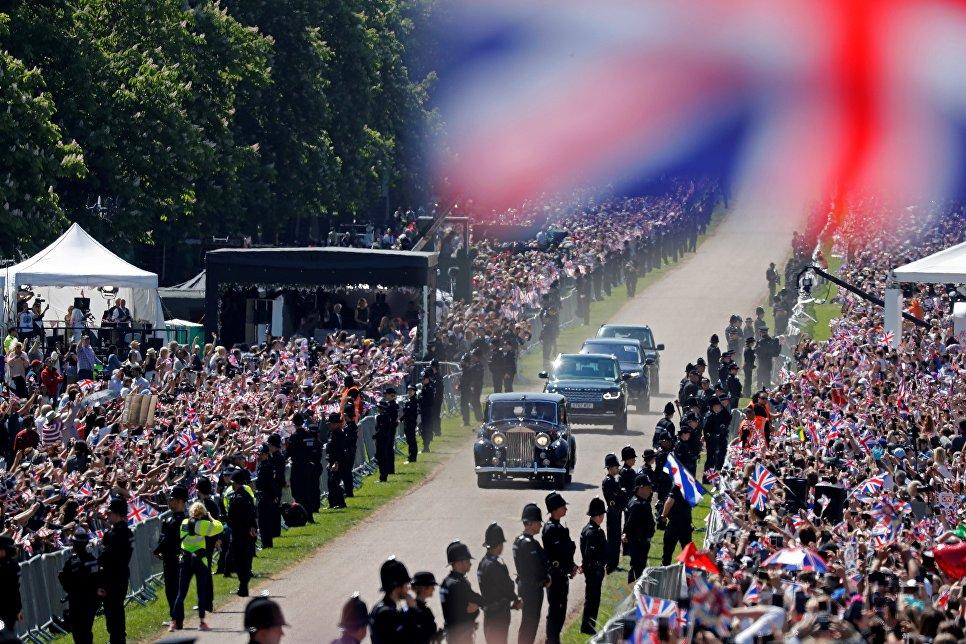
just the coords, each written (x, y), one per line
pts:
(797, 100)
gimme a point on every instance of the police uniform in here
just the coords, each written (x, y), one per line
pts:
(355, 615)
(627, 473)
(639, 529)
(615, 499)
(497, 590)
(427, 410)
(410, 418)
(388, 624)
(593, 557)
(194, 563)
(347, 460)
(114, 566)
(79, 580)
(168, 550)
(749, 362)
(533, 574)
(385, 439)
(335, 453)
(269, 514)
(242, 520)
(305, 448)
(455, 595)
(560, 550)
(422, 622)
(679, 529)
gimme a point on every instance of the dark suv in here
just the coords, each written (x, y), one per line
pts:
(630, 355)
(643, 333)
(594, 386)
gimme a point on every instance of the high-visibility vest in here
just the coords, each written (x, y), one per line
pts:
(194, 531)
(247, 488)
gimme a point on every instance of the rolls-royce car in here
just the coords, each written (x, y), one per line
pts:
(594, 386)
(525, 435)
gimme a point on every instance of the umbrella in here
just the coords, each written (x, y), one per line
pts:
(796, 559)
(98, 398)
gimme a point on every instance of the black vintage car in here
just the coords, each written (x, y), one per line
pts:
(594, 386)
(525, 435)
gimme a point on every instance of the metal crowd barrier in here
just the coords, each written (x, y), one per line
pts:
(665, 582)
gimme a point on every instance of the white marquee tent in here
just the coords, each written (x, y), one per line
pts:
(76, 265)
(948, 266)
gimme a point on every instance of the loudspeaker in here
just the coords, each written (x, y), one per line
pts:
(796, 494)
(830, 502)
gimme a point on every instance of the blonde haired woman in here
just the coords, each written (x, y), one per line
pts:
(195, 562)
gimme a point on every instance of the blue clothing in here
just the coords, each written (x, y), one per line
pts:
(86, 359)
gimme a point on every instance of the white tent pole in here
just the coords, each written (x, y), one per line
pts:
(893, 311)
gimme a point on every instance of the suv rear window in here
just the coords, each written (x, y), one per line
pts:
(581, 367)
(644, 335)
(623, 352)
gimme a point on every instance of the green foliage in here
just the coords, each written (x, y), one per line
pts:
(251, 117)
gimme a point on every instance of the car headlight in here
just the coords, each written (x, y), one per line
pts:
(612, 395)
(498, 439)
(634, 374)
(551, 390)
(542, 440)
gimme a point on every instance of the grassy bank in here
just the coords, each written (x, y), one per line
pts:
(823, 313)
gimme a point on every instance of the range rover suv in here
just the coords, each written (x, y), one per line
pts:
(643, 333)
(594, 386)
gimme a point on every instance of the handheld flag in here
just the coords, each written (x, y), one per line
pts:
(760, 486)
(691, 490)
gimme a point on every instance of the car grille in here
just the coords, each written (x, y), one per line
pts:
(519, 447)
(582, 396)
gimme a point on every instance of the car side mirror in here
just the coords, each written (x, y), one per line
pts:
(649, 361)
(543, 374)
(660, 347)
(626, 376)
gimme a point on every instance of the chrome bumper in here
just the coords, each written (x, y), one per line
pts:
(521, 471)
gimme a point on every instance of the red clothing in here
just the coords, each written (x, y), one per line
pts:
(51, 379)
(26, 438)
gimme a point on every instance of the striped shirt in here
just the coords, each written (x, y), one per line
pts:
(50, 431)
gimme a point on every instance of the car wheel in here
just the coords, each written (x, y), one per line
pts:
(559, 481)
(656, 379)
(620, 425)
(484, 480)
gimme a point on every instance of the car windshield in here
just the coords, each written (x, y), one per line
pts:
(530, 409)
(623, 352)
(644, 335)
(585, 367)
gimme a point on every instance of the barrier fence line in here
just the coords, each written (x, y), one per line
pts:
(664, 582)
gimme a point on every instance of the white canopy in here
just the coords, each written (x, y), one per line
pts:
(948, 266)
(75, 265)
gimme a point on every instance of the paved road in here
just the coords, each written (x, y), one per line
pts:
(688, 304)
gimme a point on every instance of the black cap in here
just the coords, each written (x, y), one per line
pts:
(240, 476)
(628, 452)
(714, 338)
(664, 436)
(424, 578)
(427, 373)
(749, 340)
(728, 354)
(383, 405)
(611, 461)
(393, 574)
(390, 390)
(669, 409)
(80, 536)
(179, 492)
(334, 417)
(641, 480)
(261, 613)
(204, 485)
(457, 551)
(263, 449)
(118, 506)
(714, 400)
(596, 507)
(494, 536)
(275, 440)
(700, 362)
(648, 454)
(348, 381)
(691, 417)
(733, 365)
(355, 613)
(554, 501)
(531, 512)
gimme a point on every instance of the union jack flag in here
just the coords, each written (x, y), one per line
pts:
(872, 485)
(136, 512)
(86, 386)
(86, 489)
(649, 607)
(753, 594)
(883, 535)
(760, 486)
(187, 443)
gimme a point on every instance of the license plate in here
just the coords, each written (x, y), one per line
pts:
(582, 405)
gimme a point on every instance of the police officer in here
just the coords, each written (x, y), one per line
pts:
(277, 458)
(497, 367)
(114, 569)
(335, 453)
(385, 439)
(665, 425)
(714, 356)
(242, 520)
(714, 427)
(423, 624)
(560, 549)
(639, 527)
(461, 604)
(79, 579)
(428, 416)
(593, 557)
(662, 480)
(305, 448)
(350, 437)
(354, 622)
(627, 472)
(269, 513)
(195, 529)
(630, 277)
(410, 419)
(387, 623)
(675, 520)
(264, 621)
(724, 369)
(615, 499)
(496, 587)
(533, 572)
(168, 549)
(733, 385)
(748, 364)
(684, 449)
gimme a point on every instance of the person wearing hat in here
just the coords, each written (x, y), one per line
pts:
(496, 587)
(714, 427)
(410, 420)
(615, 498)
(269, 498)
(461, 604)
(626, 474)
(388, 624)
(305, 449)
(560, 550)
(11, 602)
(684, 449)
(196, 528)
(675, 520)
(639, 527)
(350, 430)
(264, 621)
(354, 622)
(335, 452)
(727, 359)
(242, 521)
(423, 627)
(661, 480)
(79, 580)
(691, 384)
(114, 569)
(734, 334)
(593, 557)
(748, 361)
(385, 440)
(733, 385)
(168, 549)
(714, 356)
(533, 572)
(428, 415)
(665, 425)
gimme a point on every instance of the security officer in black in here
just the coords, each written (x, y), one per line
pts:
(665, 425)
(428, 414)
(305, 448)
(79, 580)
(533, 573)
(714, 427)
(630, 277)
(387, 623)
(461, 604)
(242, 519)
(639, 527)
(385, 440)
(410, 420)
(423, 628)
(354, 622)
(615, 498)
(684, 448)
(593, 557)
(748, 362)
(627, 472)
(560, 550)
(496, 587)
(471, 374)
(350, 437)
(335, 451)
(168, 549)
(675, 520)
(648, 458)
(114, 569)
(269, 495)
(662, 480)
(733, 385)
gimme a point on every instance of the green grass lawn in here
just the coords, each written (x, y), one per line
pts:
(823, 313)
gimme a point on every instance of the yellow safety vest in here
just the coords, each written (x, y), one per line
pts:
(193, 540)
(224, 498)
